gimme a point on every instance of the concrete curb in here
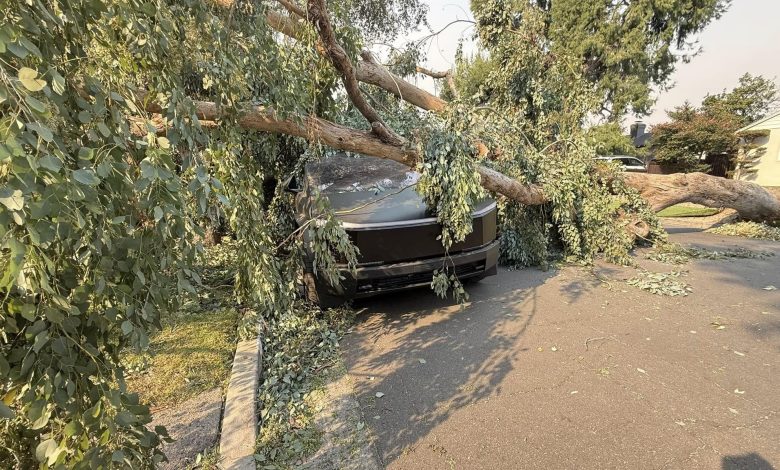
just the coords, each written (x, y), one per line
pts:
(239, 421)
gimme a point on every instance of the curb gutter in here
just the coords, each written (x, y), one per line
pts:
(239, 421)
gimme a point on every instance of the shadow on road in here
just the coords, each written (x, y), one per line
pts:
(750, 461)
(429, 358)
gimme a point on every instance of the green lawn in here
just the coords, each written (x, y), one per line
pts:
(682, 210)
(192, 354)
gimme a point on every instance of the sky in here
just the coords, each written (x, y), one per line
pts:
(745, 39)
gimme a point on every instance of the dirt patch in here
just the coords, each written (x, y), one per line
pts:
(194, 426)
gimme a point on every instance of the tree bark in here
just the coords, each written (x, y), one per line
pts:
(750, 200)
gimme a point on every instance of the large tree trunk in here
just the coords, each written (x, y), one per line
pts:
(750, 200)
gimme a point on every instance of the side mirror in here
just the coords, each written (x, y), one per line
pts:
(291, 185)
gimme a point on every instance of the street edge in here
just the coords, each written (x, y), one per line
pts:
(239, 420)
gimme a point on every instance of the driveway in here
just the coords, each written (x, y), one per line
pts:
(558, 369)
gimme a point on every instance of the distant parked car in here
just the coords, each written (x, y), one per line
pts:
(388, 221)
(633, 164)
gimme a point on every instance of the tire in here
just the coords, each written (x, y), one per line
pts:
(316, 296)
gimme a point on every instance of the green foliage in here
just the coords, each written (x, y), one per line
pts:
(711, 129)
(533, 115)
(691, 134)
(609, 139)
(749, 101)
(99, 217)
(623, 49)
(298, 346)
(450, 183)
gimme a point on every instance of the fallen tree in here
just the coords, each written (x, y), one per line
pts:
(750, 200)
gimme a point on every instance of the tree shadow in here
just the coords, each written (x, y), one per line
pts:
(416, 359)
(751, 461)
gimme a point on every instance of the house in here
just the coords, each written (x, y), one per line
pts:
(765, 167)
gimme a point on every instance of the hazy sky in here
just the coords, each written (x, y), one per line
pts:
(745, 39)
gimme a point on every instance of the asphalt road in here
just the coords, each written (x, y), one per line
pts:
(561, 370)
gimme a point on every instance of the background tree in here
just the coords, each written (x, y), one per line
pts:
(749, 101)
(712, 129)
(625, 48)
(609, 139)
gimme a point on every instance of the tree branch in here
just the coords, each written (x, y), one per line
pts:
(447, 74)
(318, 15)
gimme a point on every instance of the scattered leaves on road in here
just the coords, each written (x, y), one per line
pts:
(667, 284)
(379, 394)
(674, 253)
(748, 230)
(770, 288)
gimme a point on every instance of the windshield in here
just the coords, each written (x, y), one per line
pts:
(342, 173)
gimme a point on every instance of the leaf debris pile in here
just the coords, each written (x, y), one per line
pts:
(756, 230)
(674, 253)
(668, 284)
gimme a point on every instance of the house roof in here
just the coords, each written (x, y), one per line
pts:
(772, 121)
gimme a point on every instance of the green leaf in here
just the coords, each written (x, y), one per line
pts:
(12, 199)
(30, 46)
(28, 312)
(50, 162)
(84, 117)
(4, 367)
(38, 414)
(72, 428)
(86, 176)
(158, 213)
(57, 82)
(43, 131)
(103, 128)
(27, 77)
(127, 327)
(5, 411)
(35, 104)
(45, 449)
(18, 50)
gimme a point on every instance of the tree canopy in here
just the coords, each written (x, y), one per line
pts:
(609, 139)
(625, 49)
(712, 128)
(751, 100)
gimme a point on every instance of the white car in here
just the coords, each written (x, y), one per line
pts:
(633, 164)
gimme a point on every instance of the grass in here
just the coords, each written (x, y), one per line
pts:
(193, 352)
(685, 210)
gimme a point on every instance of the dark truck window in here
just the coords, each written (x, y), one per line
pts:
(341, 173)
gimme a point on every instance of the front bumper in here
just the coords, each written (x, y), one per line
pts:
(372, 280)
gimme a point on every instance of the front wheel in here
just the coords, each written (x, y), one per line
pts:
(317, 296)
